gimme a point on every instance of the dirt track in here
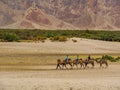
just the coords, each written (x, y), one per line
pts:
(51, 79)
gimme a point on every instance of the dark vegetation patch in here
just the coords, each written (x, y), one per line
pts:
(10, 35)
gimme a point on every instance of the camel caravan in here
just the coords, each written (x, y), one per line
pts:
(62, 64)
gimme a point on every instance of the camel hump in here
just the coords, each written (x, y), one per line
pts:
(81, 59)
(69, 59)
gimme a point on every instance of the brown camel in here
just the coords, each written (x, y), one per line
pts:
(75, 62)
(63, 63)
(59, 63)
(101, 62)
(86, 62)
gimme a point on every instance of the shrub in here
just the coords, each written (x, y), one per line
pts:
(62, 38)
(59, 38)
(118, 58)
(10, 37)
(41, 38)
(51, 38)
(42, 41)
(55, 38)
(26, 34)
(110, 58)
(74, 40)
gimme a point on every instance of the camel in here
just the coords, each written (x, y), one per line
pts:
(102, 62)
(63, 63)
(59, 63)
(86, 62)
(75, 62)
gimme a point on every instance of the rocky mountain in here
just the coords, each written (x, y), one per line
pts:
(60, 14)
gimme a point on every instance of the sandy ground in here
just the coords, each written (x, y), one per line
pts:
(83, 46)
(45, 77)
(51, 79)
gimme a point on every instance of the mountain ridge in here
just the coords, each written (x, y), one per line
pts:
(77, 14)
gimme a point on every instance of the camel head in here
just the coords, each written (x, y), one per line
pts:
(97, 60)
(58, 60)
(80, 59)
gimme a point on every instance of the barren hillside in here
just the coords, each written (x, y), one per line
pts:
(75, 14)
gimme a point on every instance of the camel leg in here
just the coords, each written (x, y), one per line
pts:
(66, 66)
(76, 65)
(63, 66)
(82, 65)
(57, 66)
(85, 65)
(71, 65)
(100, 65)
(106, 64)
(92, 65)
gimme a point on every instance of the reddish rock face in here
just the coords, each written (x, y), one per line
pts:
(37, 16)
(26, 24)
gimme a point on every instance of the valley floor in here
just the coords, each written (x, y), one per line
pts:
(51, 79)
(31, 66)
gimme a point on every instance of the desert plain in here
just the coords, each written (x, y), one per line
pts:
(31, 66)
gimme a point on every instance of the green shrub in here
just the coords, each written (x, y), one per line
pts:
(41, 38)
(10, 37)
(118, 59)
(55, 38)
(62, 38)
(27, 34)
(51, 38)
(110, 58)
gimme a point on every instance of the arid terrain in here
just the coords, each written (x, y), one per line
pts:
(51, 79)
(28, 59)
(83, 46)
(31, 66)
